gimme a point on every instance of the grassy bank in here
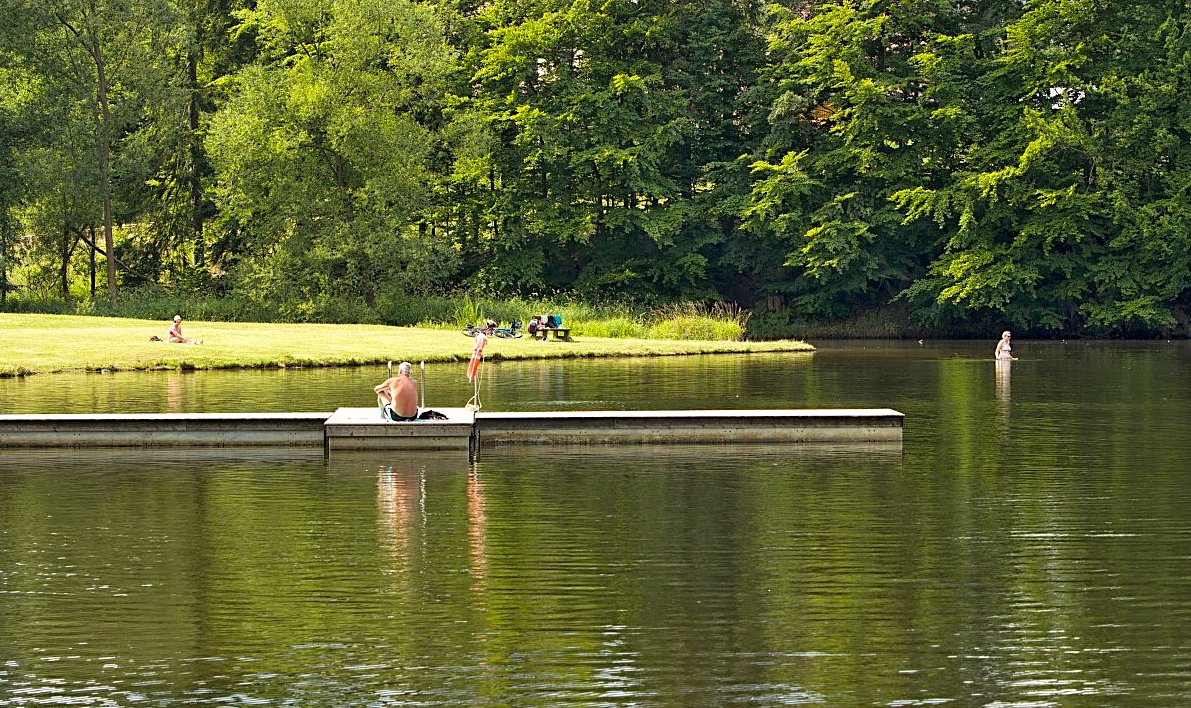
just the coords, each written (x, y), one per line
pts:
(49, 343)
(616, 320)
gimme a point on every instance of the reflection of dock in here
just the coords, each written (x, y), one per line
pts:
(363, 428)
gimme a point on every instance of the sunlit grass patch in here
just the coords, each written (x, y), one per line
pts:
(681, 321)
(718, 322)
(49, 343)
(613, 327)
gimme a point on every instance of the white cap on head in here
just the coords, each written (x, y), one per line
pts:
(177, 318)
(404, 367)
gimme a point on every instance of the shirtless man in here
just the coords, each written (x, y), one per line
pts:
(398, 395)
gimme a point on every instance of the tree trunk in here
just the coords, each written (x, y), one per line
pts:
(105, 167)
(196, 160)
(91, 265)
(64, 269)
(88, 37)
(3, 262)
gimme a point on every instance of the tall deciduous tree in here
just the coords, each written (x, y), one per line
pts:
(864, 108)
(17, 118)
(607, 119)
(89, 26)
(203, 52)
(320, 151)
(1069, 207)
(104, 55)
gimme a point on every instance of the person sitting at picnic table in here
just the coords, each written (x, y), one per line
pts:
(398, 395)
(175, 333)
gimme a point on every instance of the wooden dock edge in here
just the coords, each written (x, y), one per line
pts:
(363, 429)
(702, 426)
(163, 429)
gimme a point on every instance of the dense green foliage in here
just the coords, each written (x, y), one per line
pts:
(1023, 163)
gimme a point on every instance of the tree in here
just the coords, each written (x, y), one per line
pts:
(1070, 209)
(101, 55)
(863, 108)
(319, 150)
(605, 122)
(14, 129)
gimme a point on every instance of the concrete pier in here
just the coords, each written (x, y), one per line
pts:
(364, 429)
(163, 429)
(697, 426)
(463, 429)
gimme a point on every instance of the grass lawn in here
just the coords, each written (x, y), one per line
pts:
(48, 343)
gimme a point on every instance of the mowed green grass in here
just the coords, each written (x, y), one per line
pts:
(49, 343)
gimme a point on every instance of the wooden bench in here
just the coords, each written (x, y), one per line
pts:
(560, 333)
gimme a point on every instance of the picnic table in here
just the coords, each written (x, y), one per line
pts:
(551, 323)
(560, 333)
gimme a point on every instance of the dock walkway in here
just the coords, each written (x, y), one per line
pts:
(464, 428)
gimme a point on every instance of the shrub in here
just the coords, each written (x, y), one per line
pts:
(330, 310)
(696, 327)
(612, 327)
(719, 322)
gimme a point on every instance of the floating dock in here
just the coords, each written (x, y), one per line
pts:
(364, 429)
(699, 426)
(162, 430)
(463, 428)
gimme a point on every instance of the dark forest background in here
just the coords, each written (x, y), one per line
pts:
(960, 164)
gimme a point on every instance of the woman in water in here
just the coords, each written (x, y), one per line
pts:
(1004, 349)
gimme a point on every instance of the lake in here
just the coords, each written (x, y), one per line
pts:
(1029, 546)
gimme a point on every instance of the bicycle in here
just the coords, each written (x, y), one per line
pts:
(502, 332)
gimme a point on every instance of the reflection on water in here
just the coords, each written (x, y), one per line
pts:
(1025, 546)
(476, 522)
(1004, 369)
(399, 494)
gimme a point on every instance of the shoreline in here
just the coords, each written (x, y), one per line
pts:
(41, 344)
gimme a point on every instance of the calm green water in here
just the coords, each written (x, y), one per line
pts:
(1030, 546)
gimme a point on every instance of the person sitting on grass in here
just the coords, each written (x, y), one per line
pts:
(175, 333)
(398, 395)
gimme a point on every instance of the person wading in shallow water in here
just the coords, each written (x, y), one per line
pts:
(1004, 349)
(398, 395)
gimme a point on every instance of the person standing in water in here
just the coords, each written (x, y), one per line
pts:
(1004, 350)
